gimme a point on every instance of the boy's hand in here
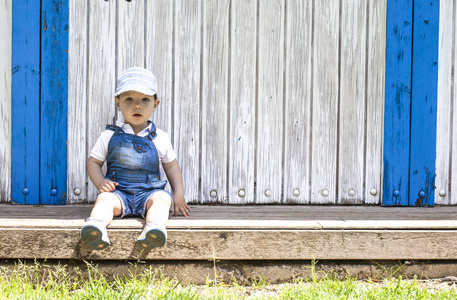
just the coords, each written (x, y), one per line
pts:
(107, 186)
(181, 205)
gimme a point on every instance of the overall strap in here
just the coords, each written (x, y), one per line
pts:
(114, 128)
(153, 132)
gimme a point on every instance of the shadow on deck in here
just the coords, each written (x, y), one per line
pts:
(241, 233)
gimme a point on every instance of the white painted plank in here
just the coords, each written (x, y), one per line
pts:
(270, 101)
(453, 163)
(130, 34)
(445, 81)
(377, 15)
(242, 101)
(130, 37)
(214, 108)
(77, 102)
(159, 60)
(159, 57)
(5, 99)
(101, 74)
(325, 101)
(298, 101)
(352, 101)
(187, 93)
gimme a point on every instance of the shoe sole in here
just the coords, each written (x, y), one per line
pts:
(92, 236)
(154, 238)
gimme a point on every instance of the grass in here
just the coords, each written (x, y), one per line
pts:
(41, 281)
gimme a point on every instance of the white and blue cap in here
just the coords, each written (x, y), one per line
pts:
(136, 79)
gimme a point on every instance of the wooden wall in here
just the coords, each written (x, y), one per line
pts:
(279, 100)
(5, 99)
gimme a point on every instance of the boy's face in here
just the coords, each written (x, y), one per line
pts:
(136, 108)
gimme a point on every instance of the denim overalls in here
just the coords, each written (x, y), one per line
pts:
(133, 162)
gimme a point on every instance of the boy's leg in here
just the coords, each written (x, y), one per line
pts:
(107, 206)
(158, 207)
(157, 211)
(94, 231)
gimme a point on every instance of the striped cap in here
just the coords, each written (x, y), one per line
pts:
(136, 79)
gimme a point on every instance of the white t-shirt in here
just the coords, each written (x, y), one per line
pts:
(161, 141)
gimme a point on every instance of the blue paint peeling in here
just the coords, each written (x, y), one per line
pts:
(39, 93)
(411, 100)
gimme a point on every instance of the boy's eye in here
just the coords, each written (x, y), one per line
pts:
(128, 99)
(146, 99)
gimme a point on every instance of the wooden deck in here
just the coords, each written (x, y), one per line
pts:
(242, 233)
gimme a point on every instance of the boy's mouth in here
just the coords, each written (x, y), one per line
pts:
(137, 115)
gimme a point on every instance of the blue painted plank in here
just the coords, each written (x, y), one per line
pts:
(424, 102)
(397, 102)
(54, 104)
(25, 95)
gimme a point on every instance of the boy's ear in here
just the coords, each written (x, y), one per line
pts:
(117, 100)
(156, 102)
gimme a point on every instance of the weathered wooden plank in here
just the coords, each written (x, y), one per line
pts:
(187, 93)
(101, 74)
(397, 116)
(258, 212)
(25, 97)
(444, 111)
(159, 57)
(236, 244)
(54, 102)
(215, 105)
(242, 101)
(130, 34)
(297, 102)
(325, 101)
(270, 102)
(77, 102)
(352, 99)
(242, 224)
(424, 102)
(130, 24)
(453, 163)
(376, 62)
(5, 99)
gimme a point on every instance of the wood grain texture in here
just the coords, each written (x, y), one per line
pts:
(445, 103)
(187, 93)
(214, 110)
(453, 142)
(236, 244)
(130, 34)
(270, 102)
(242, 101)
(77, 102)
(25, 99)
(325, 101)
(298, 101)
(397, 116)
(101, 75)
(159, 59)
(376, 66)
(5, 99)
(249, 93)
(352, 99)
(54, 102)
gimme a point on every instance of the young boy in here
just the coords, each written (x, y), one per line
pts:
(133, 151)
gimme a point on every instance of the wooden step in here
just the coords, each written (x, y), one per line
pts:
(241, 233)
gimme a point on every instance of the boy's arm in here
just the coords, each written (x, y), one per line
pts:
(94, 168)
(174, 176)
